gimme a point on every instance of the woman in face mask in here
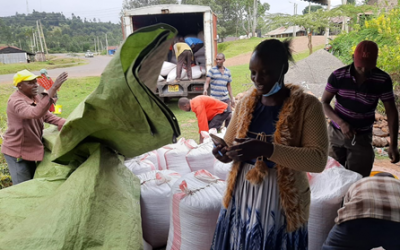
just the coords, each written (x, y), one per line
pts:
(276, 135)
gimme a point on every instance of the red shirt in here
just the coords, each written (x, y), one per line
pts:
(45, 83)
(206, 108)
(25, 118)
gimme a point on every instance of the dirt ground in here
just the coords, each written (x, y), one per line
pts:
(386, 166)
(299, 45)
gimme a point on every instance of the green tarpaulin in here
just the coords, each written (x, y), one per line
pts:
(89, 199)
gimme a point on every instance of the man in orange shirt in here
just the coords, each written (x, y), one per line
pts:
(210, 112)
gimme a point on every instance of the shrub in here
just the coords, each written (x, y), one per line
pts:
(385, 31)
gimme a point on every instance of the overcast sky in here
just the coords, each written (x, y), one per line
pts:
(108, 10)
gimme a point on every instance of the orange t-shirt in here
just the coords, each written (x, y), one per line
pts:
(206, 108)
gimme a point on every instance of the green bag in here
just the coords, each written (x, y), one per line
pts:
(92, 201)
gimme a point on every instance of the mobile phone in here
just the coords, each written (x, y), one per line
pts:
(218, 140)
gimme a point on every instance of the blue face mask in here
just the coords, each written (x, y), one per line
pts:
(277, 86)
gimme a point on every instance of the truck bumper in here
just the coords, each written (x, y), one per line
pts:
(183, 88)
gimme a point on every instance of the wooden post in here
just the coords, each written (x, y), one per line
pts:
(44, 40)
(40, 39)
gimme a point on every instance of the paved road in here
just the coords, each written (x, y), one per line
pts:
(95, 67)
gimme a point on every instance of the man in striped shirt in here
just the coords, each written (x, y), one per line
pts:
(370, 216)
(219, 80)
(357, 88)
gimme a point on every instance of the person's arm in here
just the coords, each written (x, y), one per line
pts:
(387, 97)
(26, 111)
(53, 119)
(393, 122)
(201, 118)
(206, 85)
(327, 96)
(312, 155)
(176, 50)
(57, 84)
(229, 87)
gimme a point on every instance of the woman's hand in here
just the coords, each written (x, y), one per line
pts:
(248, 149)
(219, 153)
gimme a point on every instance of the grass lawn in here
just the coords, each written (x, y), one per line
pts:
(52, 63)
(234, 48)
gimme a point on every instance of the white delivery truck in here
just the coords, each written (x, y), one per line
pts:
(189, 20)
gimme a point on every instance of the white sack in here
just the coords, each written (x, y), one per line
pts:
(175, 157)
(222, 169)
(160, 78)
(138, 166)
(155, 191)
(196, 72)
(203, 71)
(172, 75)
(195, 206)
(150, 156)
(166, 68)
(327, 191)
(201, 157)
(162, 164)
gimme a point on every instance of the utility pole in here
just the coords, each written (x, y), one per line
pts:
(98, 46)
(344, 18)
(327, 28)
(106, 45)
(44, 40)
(32, 43)
(295, 13)
(95, 50)
(40, 39)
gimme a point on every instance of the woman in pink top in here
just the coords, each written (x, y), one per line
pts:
(26, 113)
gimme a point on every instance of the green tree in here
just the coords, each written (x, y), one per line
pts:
(313, 8)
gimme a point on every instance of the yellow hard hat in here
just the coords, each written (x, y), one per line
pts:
(24, 75)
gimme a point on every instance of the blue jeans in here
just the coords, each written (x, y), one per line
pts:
(20, 169)
(367, 233)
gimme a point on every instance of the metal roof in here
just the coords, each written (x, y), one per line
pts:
(289, 30)
(13, 49)
(277, 31)
(283, 30)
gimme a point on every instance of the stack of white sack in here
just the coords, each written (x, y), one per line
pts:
(197, 72)
(155, 205)
(327, 191)
(138, 166)
(166, 68)
(150, 156)
(175, 155)
(195, 206)
(201, 156)
(222, 169)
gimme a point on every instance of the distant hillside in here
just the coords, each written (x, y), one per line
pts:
(62, 34)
